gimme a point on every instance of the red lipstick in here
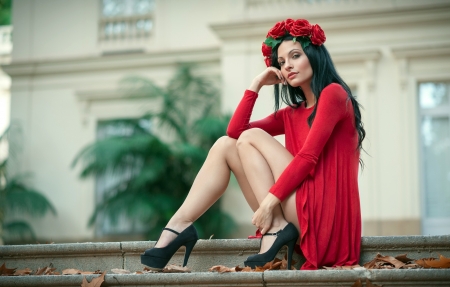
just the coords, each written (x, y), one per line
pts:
(291, 75)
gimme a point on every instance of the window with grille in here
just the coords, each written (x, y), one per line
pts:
(126, 19)
(434, 107)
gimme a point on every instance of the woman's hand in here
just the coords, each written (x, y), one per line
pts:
(268, 77)
(262, 218)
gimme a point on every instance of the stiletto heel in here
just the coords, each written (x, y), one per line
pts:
(287, 236)
(189, 245)
(157, 258)
(291, 247)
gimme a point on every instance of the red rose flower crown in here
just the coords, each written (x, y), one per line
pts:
(300, 29)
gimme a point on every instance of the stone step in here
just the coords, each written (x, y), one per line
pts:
(385, 278)
(228, 252)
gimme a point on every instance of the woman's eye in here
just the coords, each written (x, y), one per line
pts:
(295, 56)
(281, 63)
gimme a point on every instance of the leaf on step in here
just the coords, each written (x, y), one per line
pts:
(259, 269)
(352, 267)
(71, 272)
(148, 270)
(48, 270)
(120, 271)
(245, 269)
(442, 262)
(176, 269)
(384, 262)
(6, 271)
(370, 284)
(222, 269)
(22, 272)
(357, 283)
(403, 258)
(96, 282)
(389, 259)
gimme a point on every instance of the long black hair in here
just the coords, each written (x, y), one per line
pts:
(324, 73)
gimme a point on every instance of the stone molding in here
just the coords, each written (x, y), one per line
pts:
(387, 16)
(111, 62)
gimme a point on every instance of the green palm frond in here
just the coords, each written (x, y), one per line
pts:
(119, 154)
(18, 231)
(21, 199)
(138, 87)
(159, 174)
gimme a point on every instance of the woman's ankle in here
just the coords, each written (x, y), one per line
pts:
(178, 224)
(278, 224)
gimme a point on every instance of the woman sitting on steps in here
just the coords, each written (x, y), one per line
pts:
(308, 188)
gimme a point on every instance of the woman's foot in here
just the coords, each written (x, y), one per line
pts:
(156, 258)
(267, 241)
(287, 236)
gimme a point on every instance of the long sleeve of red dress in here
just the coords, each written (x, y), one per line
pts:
(323, 173)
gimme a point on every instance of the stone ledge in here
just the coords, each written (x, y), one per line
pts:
(228, 252)
(57, 249)
(419, 277)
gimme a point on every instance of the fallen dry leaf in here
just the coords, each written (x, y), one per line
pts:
(6, 271)
(48, 270)
(176, 269)
(352, 267)
(22, 272)
(389, 259)
(96, 282)
(222, 269)
(71, 272)
(148, 270)
(357, 283)
(442, 262)
(120, 271)
(245, 269)
(370, 284)
(403, 258)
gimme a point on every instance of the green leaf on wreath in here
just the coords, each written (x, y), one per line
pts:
(271, 42)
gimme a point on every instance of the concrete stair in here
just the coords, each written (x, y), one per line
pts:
(125, 255)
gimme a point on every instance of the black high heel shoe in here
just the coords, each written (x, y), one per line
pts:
(287, 236)
(157, 258)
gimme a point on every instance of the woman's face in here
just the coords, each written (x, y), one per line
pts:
(294, 64)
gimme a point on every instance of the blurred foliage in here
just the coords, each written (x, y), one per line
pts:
(5, 12)
(18, 198)
(159, 173)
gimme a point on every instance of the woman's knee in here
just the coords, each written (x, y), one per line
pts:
(248, 136)
(224, 143)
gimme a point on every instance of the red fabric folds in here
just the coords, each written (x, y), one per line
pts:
(323, 173)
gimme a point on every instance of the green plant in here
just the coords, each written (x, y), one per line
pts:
(154, 176)
(18, 198)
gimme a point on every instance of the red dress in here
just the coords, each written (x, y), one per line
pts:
(324, 173)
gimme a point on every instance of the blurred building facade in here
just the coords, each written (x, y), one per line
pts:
(69, 56)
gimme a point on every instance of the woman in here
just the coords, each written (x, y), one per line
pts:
(310, 185)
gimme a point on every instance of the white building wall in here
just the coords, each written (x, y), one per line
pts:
(62, 85)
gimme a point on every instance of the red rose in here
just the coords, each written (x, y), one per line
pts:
(277, 31)
(317, 35)
(300, 27)
(288, 24)
(268, 61)
(266, 50)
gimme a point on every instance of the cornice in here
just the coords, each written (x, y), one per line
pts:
(340, 20)
(422, 50)
(352, 55)
(111, 62)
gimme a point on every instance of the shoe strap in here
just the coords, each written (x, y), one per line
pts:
(273, 234)
(177, 233)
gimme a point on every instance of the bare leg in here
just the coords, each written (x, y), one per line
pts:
(209, 185)
(264, 159)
